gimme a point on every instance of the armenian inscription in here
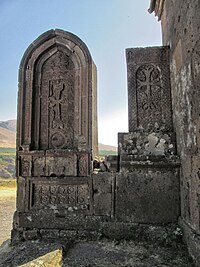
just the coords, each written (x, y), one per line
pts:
(61, 195)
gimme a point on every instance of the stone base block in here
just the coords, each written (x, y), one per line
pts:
(148, 195)
(192, 239)
(163, 235)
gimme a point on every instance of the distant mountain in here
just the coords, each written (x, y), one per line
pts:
(7, 138)
(9, 125)
(107, 147)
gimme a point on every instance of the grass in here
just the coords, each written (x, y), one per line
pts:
(7, 152)
(106, 152)
(8, 183)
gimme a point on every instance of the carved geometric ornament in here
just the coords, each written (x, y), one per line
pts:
(57, 105)
(148, 93)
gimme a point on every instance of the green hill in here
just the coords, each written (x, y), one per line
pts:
(7, 162)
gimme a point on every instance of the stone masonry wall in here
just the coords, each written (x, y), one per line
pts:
(180, 22)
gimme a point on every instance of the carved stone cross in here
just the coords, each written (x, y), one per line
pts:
(148, 77)
(56, 100)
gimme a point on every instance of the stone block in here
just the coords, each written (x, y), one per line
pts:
(192, 240)
(102, 182)
(84, 164)
(39, 166)
(31, 234)
(103, 204)
(25, 165)
(49, 233)
(48, 219)
(112, 163)
(88, 235)
(93, 223)
(70, 193)
(65, 165)
(68, 234)
(103, 192)
(148, 196)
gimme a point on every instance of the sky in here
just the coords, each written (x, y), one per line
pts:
(107, 27)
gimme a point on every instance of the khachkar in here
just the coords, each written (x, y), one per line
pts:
(148, 164)
(56, 133)
(149, 105)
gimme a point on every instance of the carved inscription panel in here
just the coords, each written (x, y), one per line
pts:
(46, 196)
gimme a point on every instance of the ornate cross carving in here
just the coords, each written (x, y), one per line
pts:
(147, 78)
(56, 101)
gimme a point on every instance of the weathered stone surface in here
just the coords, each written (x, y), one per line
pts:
(192, 240)
(180, 28)
(112, 162)
(147, 144)
(57, 133)
(102, 253)
(103, 186)
(31, 234)
(130, 163)
(149, 91)
(72, 194)
(61, 166)
(84, 164)
(148, 196)
(58, 69)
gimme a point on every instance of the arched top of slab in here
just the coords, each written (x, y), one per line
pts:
(52, 38)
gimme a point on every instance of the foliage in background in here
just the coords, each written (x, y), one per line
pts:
(106, 152)
(7, 162)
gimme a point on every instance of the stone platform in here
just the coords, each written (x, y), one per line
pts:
(102, 253)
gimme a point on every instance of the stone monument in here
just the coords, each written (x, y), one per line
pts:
(148, 164)
(59, 196)
(56, 131)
